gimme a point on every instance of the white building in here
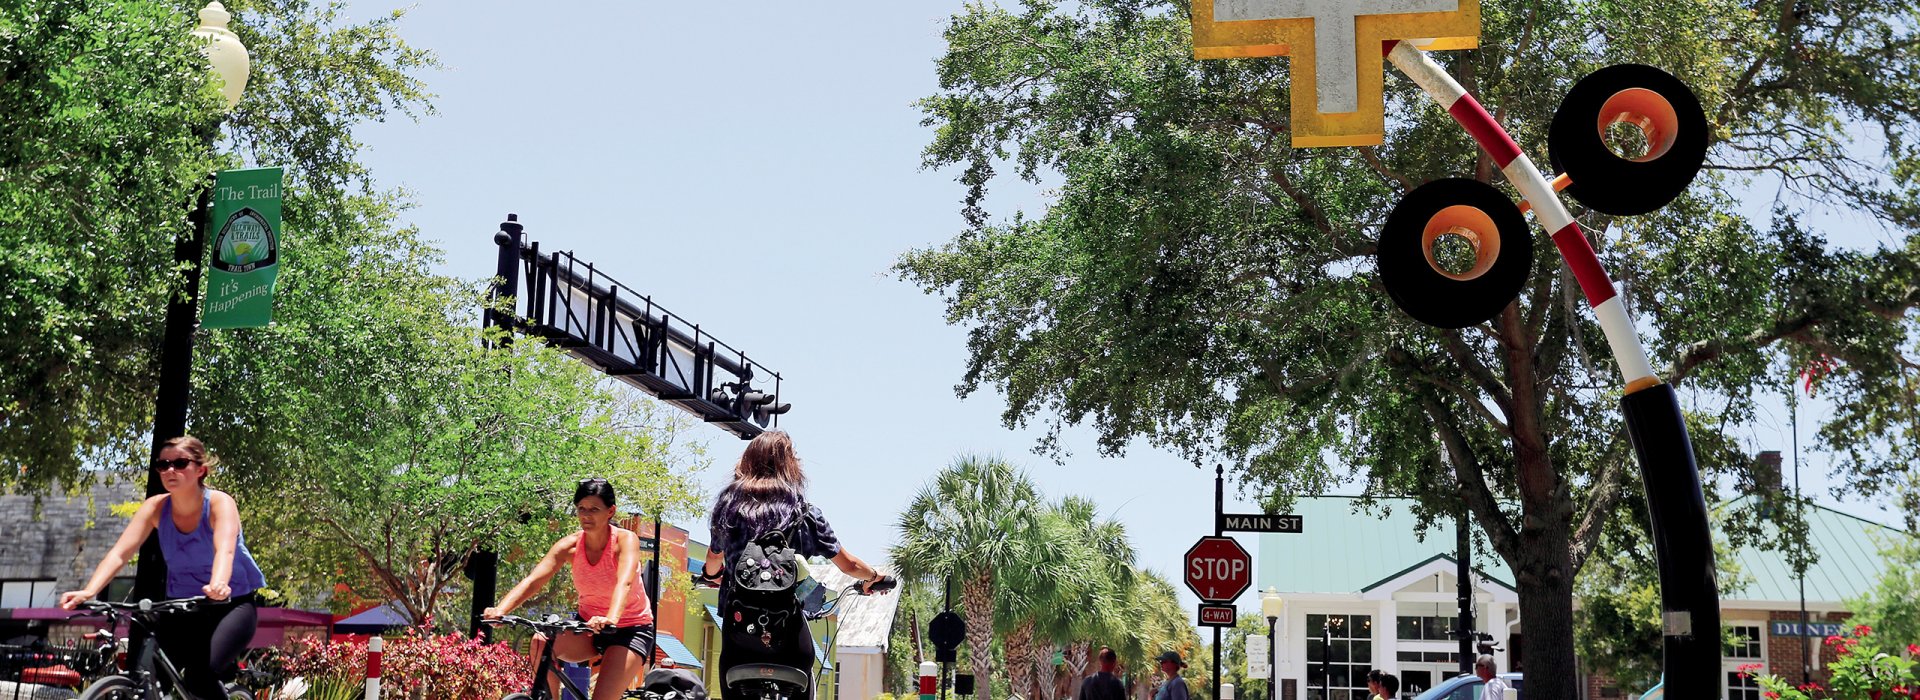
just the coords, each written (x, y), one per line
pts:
(1382, 598)
(859, 633)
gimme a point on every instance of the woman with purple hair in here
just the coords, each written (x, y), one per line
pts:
(764, 513)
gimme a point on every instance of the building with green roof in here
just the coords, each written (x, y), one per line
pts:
(1364, 590)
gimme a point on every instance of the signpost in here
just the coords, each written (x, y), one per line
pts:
(1258, 656)
(1260, 522)
(1218, 570)
(1217, 615)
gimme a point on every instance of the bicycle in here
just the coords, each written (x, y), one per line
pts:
(550, 627)
(143, 683)
(765, 681)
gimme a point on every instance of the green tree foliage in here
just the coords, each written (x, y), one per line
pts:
(1892, 606)
(370, 435)
(1037, 578)
(99, 162)
(975, 518)
(1617, 629)
(1195, 283)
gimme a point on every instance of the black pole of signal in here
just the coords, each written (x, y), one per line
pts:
(1682, 541)
(483, 568)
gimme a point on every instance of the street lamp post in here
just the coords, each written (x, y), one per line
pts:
(229, 60)
(1274, 607)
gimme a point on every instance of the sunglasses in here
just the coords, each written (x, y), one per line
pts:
(161, 465)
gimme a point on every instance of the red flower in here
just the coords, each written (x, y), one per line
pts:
(1862, 630)
(1913, 650)
(1770, 695)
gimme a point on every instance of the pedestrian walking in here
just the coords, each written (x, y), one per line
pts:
(1175, 687)
(1489, 670)
(1104, 685)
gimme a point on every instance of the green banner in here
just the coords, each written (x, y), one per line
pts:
(246, 249)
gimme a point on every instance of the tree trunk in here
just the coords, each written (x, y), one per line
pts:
(1546, 621)
(976, 599)
(1041, 656)
(1019, 644)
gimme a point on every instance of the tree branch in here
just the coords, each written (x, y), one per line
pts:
(1473, 483)
(1372, 156)
(1609, 487)
(1478, 371)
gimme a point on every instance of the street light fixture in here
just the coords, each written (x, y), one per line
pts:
(228, 58)
(1273, 607)
(224, 50)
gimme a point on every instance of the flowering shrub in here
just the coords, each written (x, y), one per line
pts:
(1861, 672)
(417, 667)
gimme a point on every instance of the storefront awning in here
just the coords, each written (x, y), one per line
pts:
(672, 649)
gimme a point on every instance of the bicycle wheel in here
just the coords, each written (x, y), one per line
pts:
(235, 692)
(517, 696)
(111, 688)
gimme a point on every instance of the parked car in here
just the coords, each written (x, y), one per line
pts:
(1468, 687)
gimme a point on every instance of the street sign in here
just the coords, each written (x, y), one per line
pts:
(947, 630)
(1216, 615)
(1258, 654)
(1260, 522)
(1218, 569)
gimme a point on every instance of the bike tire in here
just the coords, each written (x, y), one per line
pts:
(235, 692)
(517, 696)
(111, 688)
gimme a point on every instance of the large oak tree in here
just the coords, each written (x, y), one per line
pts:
(1195, 283)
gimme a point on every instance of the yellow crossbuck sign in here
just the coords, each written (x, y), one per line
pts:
(1335, 46)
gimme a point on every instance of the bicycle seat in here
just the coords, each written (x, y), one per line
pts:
(776, 673)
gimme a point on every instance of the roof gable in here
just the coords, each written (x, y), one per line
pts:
(1343, 551)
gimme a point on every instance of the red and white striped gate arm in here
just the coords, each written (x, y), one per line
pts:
(1635, 370)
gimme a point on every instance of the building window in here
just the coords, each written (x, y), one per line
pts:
(1749, 646)
(1742, 686)
(1428, 629)
(28, 594)
(1339, 659)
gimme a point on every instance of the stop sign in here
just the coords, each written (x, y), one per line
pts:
(1218, 570)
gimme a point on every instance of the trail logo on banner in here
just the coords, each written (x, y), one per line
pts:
(246, 248)
(1336, 48)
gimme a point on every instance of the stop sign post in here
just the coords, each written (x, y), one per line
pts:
(1218, 570)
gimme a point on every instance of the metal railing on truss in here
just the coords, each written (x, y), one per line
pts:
(623, 333)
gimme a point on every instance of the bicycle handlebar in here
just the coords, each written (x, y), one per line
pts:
(145, 605)
(552, 623)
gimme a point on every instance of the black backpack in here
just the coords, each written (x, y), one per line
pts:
(761, 606)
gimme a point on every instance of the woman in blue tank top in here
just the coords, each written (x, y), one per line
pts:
(206, 556)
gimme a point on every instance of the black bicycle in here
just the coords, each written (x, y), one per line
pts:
(763, 681)
(160, 682)
(551, 627)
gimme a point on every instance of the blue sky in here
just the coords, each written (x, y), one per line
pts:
(755, 167)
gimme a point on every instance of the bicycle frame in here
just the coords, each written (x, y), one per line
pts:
(143, 666)
(545, 670)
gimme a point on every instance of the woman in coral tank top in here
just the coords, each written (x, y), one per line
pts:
(606, 575)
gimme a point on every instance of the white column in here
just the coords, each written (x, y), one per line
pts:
(1386, 638)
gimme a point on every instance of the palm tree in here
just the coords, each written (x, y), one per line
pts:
(1049, 596)
(1111, 556)
(974, 518)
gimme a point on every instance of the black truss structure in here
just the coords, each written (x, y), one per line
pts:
(624, 334)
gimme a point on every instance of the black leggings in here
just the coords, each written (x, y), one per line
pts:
(797, 652)
(204, 644)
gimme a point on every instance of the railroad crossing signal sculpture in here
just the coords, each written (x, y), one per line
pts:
(1337, 101)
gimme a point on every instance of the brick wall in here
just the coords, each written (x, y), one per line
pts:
(65, 539)
(1784, 654)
